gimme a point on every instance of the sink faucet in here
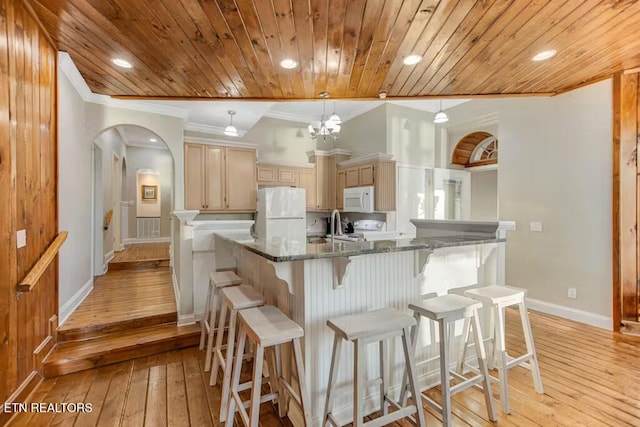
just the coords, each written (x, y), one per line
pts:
(335, 213)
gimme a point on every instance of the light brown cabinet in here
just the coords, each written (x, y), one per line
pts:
(241, 179)
(325, 182)
(341, 183)
(352, 177)
(381, 175)
(220, 178)
(276, 175)
(366, 175)
(307, 180)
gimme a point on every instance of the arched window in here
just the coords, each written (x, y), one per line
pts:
(476, 149)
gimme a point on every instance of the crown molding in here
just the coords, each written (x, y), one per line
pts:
(71, 71)
(209, 129)
(162, 110)
(223, 142)
(293, 117)
(149, 145)
(326, 153)
(369, 158)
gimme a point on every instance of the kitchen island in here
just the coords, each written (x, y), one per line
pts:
(315, 282)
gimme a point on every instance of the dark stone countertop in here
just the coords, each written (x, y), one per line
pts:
(295, 251)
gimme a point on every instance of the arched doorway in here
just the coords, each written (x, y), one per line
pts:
(129, 159)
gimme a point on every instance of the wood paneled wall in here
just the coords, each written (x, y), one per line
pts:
(626, 119)
(28, 189)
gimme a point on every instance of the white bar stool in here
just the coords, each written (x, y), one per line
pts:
(497, 298)
(267, 328)
(445, 310)
(234, 299)
(217, 281)
(361, 329)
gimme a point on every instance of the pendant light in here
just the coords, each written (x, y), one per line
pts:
(231, 129)
(441, 116)
(335, 117)
(325, 127)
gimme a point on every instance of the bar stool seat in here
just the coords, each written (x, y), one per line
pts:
(497, 298)
(446, 310)
(361, 329)
(267, 328)
(234, 299)
(217, 281)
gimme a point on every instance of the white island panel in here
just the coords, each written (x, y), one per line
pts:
(308, 296)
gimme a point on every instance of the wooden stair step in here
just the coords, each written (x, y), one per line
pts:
(149, 264)
(90, 331)
(68, 357)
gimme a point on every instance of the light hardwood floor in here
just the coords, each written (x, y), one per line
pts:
(121, 296)
(591, 378)
(142, 252)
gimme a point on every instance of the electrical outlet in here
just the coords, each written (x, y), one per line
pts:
(572, 293)
(535, 226)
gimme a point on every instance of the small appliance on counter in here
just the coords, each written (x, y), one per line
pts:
(281, 215)
(368, 230)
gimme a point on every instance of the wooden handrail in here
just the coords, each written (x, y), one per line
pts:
(41, 266)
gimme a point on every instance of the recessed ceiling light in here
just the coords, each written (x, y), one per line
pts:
(288, 64)
(153, 140)
(412, 59)
(544, 55)
(122, 63)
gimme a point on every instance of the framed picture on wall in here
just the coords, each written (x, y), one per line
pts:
(149, 192)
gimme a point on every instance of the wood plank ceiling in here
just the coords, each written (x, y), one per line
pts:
(350, 48)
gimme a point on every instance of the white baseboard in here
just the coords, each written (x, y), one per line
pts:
(593, 319)
(109, 256)
(188, 319)
(176, 289)
(73, 303)
(129, 241)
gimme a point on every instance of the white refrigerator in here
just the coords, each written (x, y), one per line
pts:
(281, 215)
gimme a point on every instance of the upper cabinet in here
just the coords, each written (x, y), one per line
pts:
(241, 179)
(277, 175)
(378, 171)
(220, 179)
(307, 180)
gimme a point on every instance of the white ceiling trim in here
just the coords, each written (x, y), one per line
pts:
(209, 129)
(283, 115)
(223, 142)
(149, 145)
(71, 71)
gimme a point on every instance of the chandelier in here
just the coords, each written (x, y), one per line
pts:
(325, 127)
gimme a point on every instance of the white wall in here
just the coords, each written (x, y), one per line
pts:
(366, 133)
(169, 129)
(111, 145)
(555, 167)
(283, 141)
(74, 194)
(410, 135)
(484, 195)
(159, 161)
